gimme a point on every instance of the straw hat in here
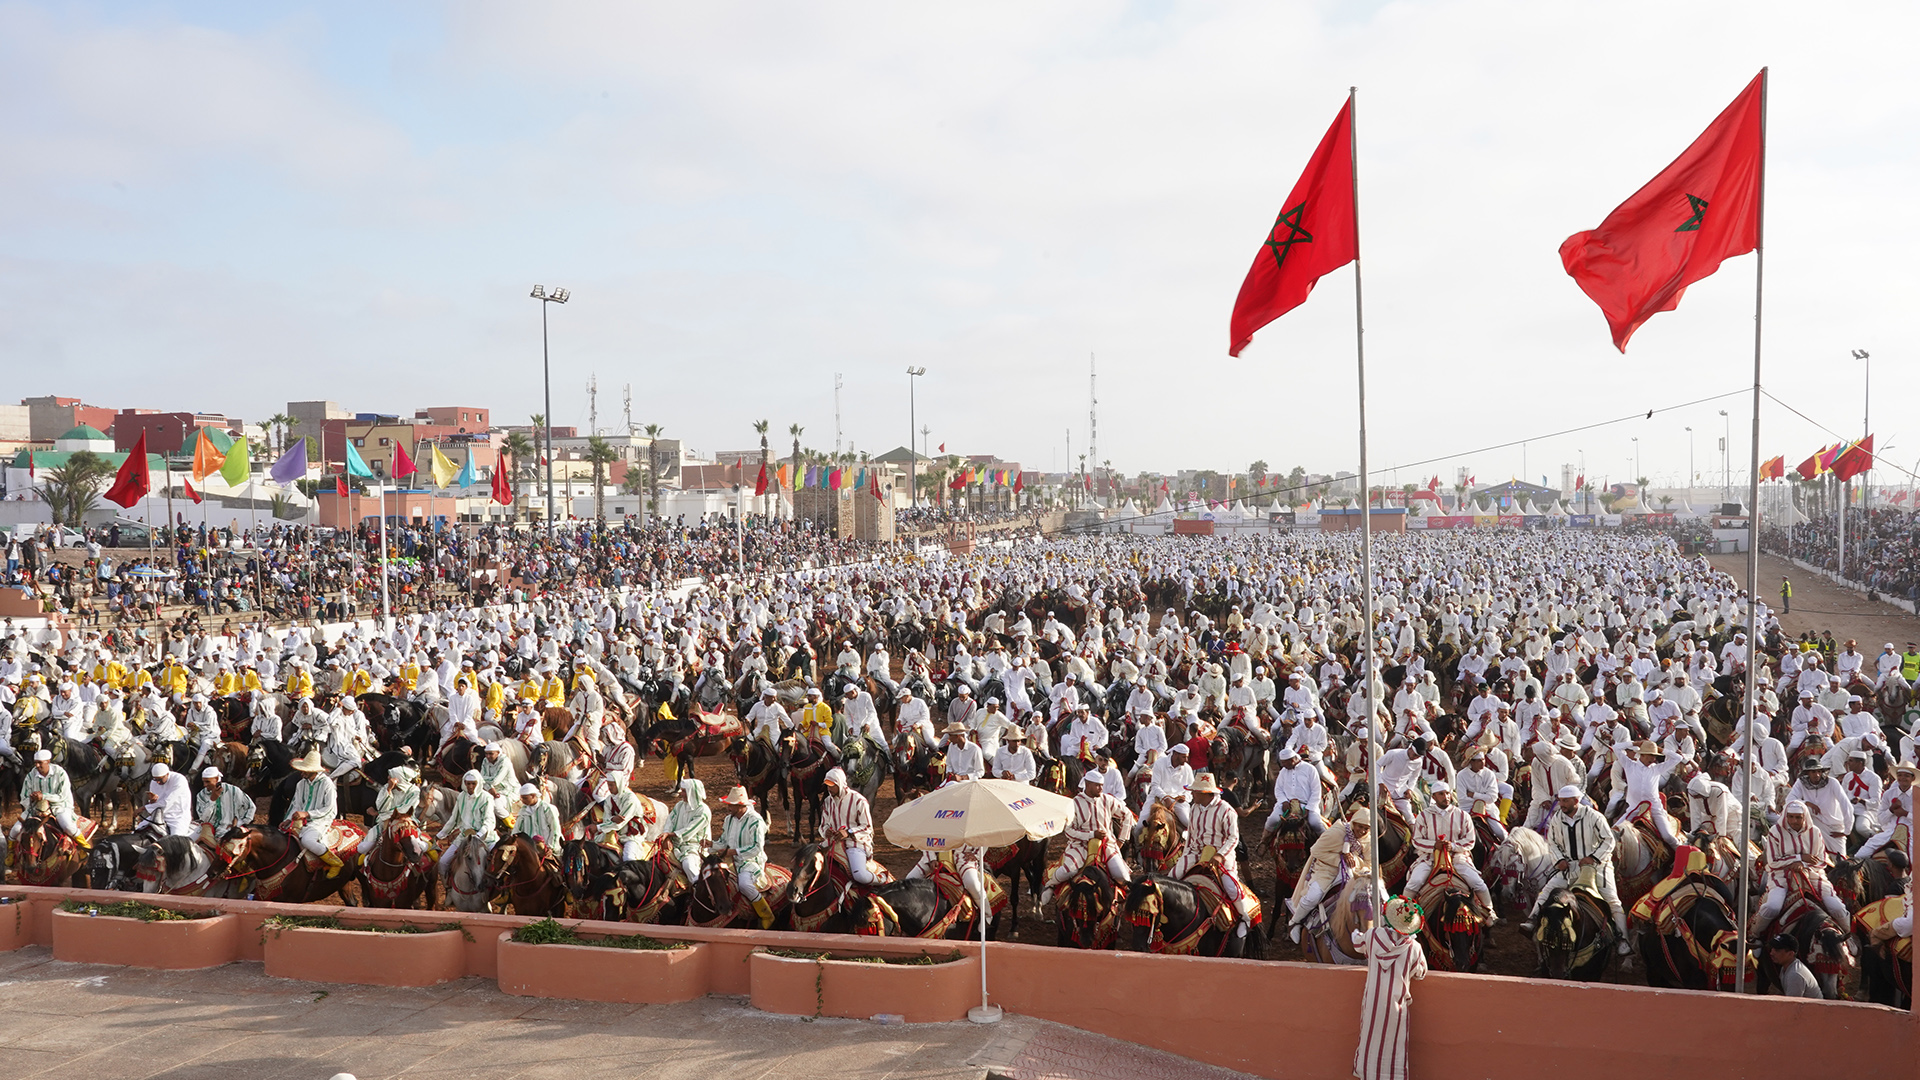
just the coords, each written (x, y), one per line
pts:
(736, 797)
(1404, 915)
(308, 764)
(1204, 783)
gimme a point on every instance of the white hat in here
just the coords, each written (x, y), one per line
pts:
(1795, 807)
(1699, 785)
(1571, 791)
(209, 773)
(472, 777)
(529, 789)
(44, 755)
(1439, 786)
(160, 770)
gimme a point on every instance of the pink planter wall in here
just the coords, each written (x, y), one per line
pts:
(16, 926)
(369, 959)
(589, 973)
(923, 994)
(191, 943)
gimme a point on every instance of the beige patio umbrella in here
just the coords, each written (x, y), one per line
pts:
(979, 813)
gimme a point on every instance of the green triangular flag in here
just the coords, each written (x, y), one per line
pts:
(355, 466)
(237, 468)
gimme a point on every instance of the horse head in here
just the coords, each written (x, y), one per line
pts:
(1146, 909)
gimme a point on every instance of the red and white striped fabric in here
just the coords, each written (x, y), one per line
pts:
(1394, 960)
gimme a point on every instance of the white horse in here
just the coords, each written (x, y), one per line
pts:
(1519, 867)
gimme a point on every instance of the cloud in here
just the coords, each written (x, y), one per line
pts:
(746, 199)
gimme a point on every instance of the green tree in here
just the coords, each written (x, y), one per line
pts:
(654, 465)
(760, 428)
(282, 423)
(521, 451)
(73, 489)
(600, 454)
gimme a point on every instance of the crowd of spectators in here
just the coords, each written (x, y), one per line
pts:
(1882, 553)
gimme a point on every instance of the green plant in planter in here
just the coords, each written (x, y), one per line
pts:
(133, 909)
(552, 932)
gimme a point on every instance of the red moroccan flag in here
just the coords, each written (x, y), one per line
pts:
(1701, 210)
(1774, 468)
(502, 491)
(340, 485)
(760, 484)
(1316, 233)
(1811, 467)
(1857, 458)
(187, 482)
(402, 464)
(1019, 482)
(133, 481)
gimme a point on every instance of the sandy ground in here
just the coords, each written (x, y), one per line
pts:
(1819, 605)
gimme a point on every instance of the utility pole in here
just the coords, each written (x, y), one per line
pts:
(836, 412)
(1093, 416)
(593, 404)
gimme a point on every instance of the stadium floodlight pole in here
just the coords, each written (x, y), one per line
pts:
(1366, 523)
(1752, 689)
(557, 296)
(913, 492)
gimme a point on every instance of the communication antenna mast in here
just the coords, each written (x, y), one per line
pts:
(836, 412)
(1093, 418)
(626, 406)
(593, 404)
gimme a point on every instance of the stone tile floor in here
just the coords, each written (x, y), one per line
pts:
(88, 1022)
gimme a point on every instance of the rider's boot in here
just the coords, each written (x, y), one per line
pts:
(331, 861)
(765, 911)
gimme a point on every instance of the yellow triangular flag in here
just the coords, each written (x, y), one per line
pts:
(237, 467)
(444, 470)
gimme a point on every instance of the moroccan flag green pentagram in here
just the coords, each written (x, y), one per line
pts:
(1701, 210)
(1315, 233)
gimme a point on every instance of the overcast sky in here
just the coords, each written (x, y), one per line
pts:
(226, 207)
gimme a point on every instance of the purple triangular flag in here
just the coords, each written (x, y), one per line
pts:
(292, 464)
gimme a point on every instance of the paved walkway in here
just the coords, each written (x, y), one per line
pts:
(88, 1022)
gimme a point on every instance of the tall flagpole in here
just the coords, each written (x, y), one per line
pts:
(1753, 550)
(1366, 515)
(386, 612)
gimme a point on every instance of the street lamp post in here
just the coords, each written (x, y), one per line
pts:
(1636, 465)
(1689, 470)
(913, 490)
(557, 296)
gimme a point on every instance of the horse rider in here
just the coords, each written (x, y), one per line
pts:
(1556, 765)
(859, 715)
(1443, 822)
(1895, 813)
(314, 805)
(463, 712)
(1013, 761)
(589, 709)
(622, 821)
(846, 821)
(1643, 777)
(1296, 781)
(399, 798)
(1481, 789)
(766, 720)
(690, 825)
(528, 723)
(1826, 803)
(880, 667)
(1171, 786)
(169, 802)
(202, 729)
(992, 728)
(1578, 836)
(1863, 789)
(1342, 846)
(346, 748)
(498, 781)
(220, 807)
(962, 757)
(1090, 837)
(538, 820)
(263, 719)
(816, 722)
(1796, 844)
(744, 834)
(965, 861)
(1710, 808)
(472, 816)
(914, 715)
(1213, 839)
(616, 761)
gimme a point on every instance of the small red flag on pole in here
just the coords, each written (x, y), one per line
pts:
(502, 491)
(187, 482)
(133, 481)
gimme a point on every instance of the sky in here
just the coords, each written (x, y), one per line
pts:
(226, 207)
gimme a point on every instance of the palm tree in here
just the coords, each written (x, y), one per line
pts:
(73, 488)
(653, 467)
(600, 453)
(520, 450)
(282, 423)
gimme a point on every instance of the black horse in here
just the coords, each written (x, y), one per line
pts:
(1573, 935)
(1164, 909)
(397, 723)
(912, 907)
(1709, 922)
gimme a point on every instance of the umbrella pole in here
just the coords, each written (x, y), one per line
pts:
(985, 1014)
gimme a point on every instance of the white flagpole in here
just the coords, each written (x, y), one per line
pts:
(386, 612)
(1753, 551)
(1366, 515)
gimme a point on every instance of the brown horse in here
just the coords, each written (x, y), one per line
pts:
(393, 876)
(524, 879)
(43, 855)
(1160, 840)
(281, 872)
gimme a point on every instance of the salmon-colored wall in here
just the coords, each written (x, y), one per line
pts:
(919, 994)
(594, 973)
(181, 945)
(1268, 1018)
(356, 956)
